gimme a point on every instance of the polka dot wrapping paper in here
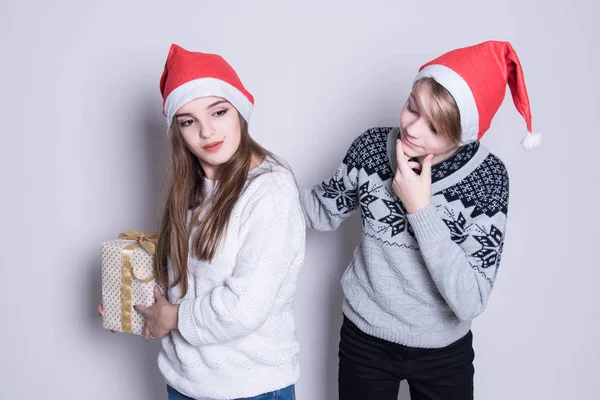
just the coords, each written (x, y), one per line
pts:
(127, 280)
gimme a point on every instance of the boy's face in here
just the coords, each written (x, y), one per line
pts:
(418, 133)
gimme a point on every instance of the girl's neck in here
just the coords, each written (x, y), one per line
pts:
(213, 173)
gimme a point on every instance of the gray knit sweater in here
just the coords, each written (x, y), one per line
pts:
(416, 279)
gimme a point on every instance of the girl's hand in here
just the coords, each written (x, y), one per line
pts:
(101, 312)
(161, 318)
(414, 190)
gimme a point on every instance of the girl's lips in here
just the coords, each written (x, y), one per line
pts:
(212, 147)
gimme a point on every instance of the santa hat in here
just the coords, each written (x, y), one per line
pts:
(476, 77)
(190, 75)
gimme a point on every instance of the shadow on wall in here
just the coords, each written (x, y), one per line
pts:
(155, 137)
(154, 144)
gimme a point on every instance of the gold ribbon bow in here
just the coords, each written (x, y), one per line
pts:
(148, 243)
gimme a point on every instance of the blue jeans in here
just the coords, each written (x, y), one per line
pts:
(288, 393)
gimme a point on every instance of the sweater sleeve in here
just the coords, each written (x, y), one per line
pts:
(271, 240)
(332, 201)
(462, 255)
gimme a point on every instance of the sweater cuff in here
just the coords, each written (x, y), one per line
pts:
(186, 325)
(427, 224)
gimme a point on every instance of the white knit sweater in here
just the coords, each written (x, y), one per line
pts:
(236, 335)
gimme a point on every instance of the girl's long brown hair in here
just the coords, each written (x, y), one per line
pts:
(185, 182)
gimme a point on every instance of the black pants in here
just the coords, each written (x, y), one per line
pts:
(372, 369)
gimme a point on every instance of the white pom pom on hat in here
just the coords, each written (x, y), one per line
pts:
(531, 141)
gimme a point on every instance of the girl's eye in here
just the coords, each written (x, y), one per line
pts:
(187, 122)
(219, 113)
(433, 129)
(412, 110)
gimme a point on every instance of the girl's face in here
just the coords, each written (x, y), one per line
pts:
(418, 133)
(210, 127)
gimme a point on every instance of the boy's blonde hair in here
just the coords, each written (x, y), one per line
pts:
(443, 111)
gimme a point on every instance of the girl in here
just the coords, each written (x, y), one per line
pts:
(433, 203)
(231, 243)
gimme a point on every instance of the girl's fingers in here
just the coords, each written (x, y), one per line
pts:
(101, 312)
(141, 309)
(157, 294)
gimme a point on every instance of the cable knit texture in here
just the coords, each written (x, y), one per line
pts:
(416, 279)
(236, 335)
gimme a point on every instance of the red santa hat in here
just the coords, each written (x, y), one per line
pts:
(189, 75)
(476, 77)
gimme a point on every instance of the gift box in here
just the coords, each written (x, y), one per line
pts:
(128, 280)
